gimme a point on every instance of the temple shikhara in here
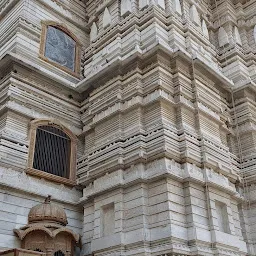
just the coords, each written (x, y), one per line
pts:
(128, 127)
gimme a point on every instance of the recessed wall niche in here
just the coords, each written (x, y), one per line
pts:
(108, 219)
(222, 217)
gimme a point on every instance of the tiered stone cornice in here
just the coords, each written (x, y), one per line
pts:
(73, 11)
(5, 7)
(141, 89)
(112, 46)
(22, 99)
(161, 128)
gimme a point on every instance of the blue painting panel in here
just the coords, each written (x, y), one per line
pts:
(60, 48)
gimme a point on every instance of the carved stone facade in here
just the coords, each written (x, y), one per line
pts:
(46, 231)
(161, 111)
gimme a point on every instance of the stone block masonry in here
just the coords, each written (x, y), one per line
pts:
(163, 107)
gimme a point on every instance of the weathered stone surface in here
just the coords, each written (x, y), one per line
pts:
(166, 146)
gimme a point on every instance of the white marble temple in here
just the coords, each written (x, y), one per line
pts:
(163, 107)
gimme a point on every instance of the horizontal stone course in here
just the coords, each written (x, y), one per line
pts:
(164, 110)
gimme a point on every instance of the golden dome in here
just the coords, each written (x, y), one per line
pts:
(47, 212)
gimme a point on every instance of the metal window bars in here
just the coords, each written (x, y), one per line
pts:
(52, 151)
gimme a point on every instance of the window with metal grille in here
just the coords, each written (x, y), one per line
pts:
(59, 253)
(52, 151)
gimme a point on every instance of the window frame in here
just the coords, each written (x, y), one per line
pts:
(71, 180)
(64, 29)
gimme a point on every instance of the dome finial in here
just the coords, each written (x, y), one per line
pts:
(48, 199)
(47, 212)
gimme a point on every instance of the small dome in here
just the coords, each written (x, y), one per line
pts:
(47, 212)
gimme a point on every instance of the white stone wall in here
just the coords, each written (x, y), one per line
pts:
(19, 193)
(158, 211)
(26, 96)
(162, 134)
(20, 31)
